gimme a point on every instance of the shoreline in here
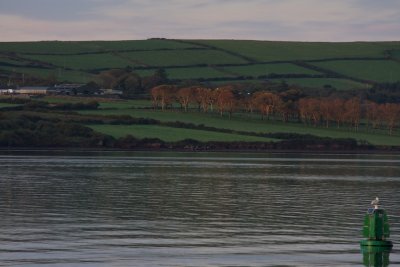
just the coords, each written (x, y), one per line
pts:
(166, 150)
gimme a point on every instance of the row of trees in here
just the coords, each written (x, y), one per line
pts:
(349, 112)
(131, 83)
(223, 99)
(287, 106)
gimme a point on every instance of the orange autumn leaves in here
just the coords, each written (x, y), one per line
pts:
(324, 112)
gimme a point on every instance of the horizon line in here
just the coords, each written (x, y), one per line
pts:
(197, 39)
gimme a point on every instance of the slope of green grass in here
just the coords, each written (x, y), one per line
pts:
(265, 69)
(170, 134)
(59, 47)
(195, 73)
(396, 54)
(48, 47)
(271, 51)
(375, 70)
(125, 104)
(145, 72)
(182, 57)
(249, 123)
(340, 84)
(61, 75)
(318, 83)
(152, 44)
(6, 105)
(8, 60)
(158, 53)
(104, 103)
(84, 62)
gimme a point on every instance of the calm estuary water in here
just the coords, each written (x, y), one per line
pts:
(182, 209)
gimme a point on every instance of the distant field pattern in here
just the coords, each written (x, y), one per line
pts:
(265, 69)
(357, 64)
(375, 70)
(288, 51)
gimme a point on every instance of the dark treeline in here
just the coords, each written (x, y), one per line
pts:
(130, 83)
(35, 131)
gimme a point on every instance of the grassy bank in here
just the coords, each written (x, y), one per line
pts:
(240, 122)
(170, 134)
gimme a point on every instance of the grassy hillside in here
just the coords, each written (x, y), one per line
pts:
(340, 65)
(374, 70)
(289, 51)
(170, 134)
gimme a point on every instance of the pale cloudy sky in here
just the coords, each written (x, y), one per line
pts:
(302, 20)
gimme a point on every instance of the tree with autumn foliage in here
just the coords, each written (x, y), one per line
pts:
(337, 111)
(391, 115)
(163, 95)
(352, 111)
(205, 96)
(185, 96)
(373, 114)
(310, 111)
(266, 103)
(327, 109)
(225, 100)
(289, 106)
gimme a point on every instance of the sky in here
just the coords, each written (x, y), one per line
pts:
(284, 20)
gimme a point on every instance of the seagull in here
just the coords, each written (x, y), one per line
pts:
(375, 202)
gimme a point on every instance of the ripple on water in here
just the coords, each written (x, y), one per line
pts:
(191, 209)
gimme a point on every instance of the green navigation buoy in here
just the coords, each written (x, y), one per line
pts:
(376, 227)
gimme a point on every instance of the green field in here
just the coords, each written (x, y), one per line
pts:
(317, 83)
(265, 69)
(182, 57)
(222, 60)
(251, 123)
(60, 74)
(84, 62)
(340, 84)
(170, 134)
(152, 44)
(195, 73)
(58, 47)
(272, 51)
(396, 54)
(376, 70)
(6, 105)
(49, 47)
(8, 60)
(125, 104)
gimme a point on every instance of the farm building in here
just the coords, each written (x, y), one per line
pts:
(66, 89)
(32, 90)
(6, 91)
(110, 92)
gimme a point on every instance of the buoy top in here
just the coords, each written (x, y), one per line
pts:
(375, 203)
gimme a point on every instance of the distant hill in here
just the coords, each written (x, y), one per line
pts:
(354, 65)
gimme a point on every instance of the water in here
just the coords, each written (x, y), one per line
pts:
(181, 209)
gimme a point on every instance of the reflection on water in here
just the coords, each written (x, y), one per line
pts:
(376, 256)
(180, 209)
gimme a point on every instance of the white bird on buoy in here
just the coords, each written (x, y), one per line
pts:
(375, 203)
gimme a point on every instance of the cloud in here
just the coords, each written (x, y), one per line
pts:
(25, 29)
(312, 20)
